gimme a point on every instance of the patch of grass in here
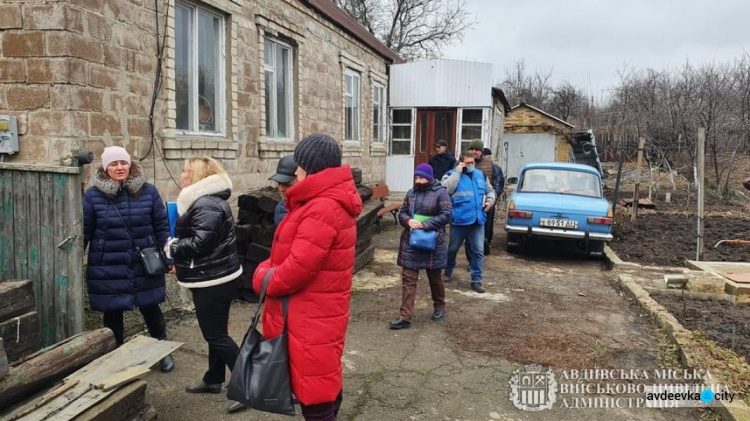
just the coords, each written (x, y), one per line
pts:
(723, 364)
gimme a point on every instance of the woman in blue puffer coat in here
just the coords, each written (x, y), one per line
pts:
(115, 277)
(430, 199)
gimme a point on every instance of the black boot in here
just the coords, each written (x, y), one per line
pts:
(167, 364)
(203, 387)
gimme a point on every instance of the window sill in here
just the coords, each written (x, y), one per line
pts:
(185, 146)
(275, 148)
(378, 149)
(352, 148)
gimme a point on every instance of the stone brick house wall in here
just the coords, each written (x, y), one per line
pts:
(526, 119)
(80, 74)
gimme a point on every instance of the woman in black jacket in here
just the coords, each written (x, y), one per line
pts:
(206, 261)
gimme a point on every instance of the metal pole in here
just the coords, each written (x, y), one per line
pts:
(617, 185)
(700, 182)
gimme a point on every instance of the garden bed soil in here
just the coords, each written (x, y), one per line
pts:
(668, 239)
(724, 323)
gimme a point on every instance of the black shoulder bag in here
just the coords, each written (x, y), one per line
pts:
(152, 257)
(260, 377)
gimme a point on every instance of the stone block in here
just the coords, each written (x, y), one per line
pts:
(23, 44)
(104, 123)
(103, 76)
(139, 127)
(10, 16)
(11, 70)
(50, 123)
(28, 97)
(56, 70)
(77, 98)
(71, 44)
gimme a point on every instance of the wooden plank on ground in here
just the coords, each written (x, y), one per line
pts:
(21, 335)
(123, 377)
(53, 363)
(140, 351)
(16, 298)
(40, 401)
(125, 403)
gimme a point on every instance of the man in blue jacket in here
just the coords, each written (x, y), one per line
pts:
(472, 196)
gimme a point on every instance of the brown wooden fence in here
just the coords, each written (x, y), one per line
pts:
(41, 239)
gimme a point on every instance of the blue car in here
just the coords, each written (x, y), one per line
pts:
(559, 201)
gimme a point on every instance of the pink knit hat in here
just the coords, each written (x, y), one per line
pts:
(114, 153)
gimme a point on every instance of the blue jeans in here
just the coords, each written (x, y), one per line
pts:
(474, 236)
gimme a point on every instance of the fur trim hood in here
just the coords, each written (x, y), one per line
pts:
(110, 187)
(210, 185)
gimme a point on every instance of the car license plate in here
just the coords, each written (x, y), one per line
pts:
(559, 223)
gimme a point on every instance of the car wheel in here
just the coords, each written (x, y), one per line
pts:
(595, 249)
(513, 243)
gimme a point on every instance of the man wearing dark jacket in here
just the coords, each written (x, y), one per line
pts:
(443, 160)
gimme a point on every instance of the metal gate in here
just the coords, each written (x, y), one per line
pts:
(41, 239)
(527, 148)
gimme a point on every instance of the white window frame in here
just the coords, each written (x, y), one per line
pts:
(411, 131)
(289, 83)
(379, 105)
(356, 129)
(462, 125)
(220, 109)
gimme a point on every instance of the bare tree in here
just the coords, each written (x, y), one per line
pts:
(566, 100)
(520, 86)
(412, 28)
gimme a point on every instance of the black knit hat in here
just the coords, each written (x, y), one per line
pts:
(317, 152)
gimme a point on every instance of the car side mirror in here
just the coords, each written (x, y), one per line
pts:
(513, 180)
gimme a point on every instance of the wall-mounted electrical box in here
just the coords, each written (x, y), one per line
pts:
(8, 134)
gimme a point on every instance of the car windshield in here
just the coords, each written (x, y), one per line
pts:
(560, 181)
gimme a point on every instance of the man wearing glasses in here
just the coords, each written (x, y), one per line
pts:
(472, 196)
(443, 160)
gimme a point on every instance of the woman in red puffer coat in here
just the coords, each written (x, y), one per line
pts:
(313, 253)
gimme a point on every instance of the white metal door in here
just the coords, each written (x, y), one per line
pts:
(524, 149)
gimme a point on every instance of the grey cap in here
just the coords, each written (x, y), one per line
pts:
(285, 170)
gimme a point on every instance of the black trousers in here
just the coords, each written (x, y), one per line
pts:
(212, 310)
(152, 315)
(327, 411)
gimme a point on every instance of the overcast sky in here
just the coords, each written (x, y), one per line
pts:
(588, 41)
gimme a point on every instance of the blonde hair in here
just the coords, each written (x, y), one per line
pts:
(201, 167)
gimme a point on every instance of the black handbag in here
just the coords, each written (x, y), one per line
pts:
(260, 377)
(152, 257)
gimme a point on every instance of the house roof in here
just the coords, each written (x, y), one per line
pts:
(523, 104)
(343, 20)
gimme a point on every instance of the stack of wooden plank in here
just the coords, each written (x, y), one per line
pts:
(96, 384)
(255, 229)
(19, 322)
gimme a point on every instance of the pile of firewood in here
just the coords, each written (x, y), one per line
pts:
(82, 377)
(255, 228)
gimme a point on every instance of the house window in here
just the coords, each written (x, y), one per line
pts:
(199, 69)
(279, 92)
(378, 111)
(351, 105)
(401, 130)
(471, 127)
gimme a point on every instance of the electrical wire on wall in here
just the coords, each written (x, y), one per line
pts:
(160, 44)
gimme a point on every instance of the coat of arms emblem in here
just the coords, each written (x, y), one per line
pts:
(533, 388)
